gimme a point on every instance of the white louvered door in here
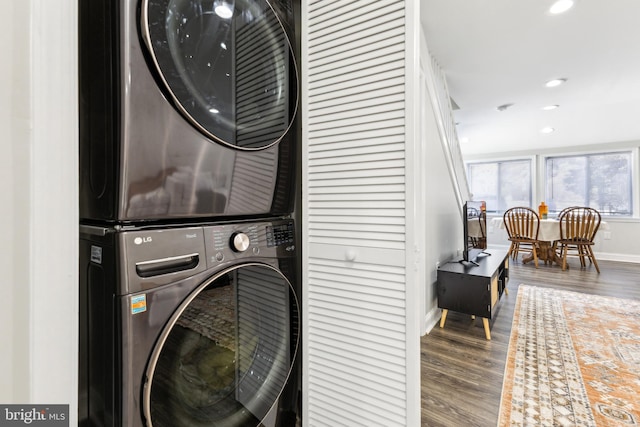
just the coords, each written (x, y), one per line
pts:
(360, 340)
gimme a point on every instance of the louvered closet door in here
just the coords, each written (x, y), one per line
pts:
(355, 213)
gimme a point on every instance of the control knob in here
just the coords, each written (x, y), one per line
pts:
(240, 242)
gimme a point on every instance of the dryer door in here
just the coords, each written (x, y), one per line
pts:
(226, 354)
(228, 65)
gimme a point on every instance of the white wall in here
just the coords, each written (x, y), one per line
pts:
(8, 131)
(38, 129)
(442, 224)
(443, 221)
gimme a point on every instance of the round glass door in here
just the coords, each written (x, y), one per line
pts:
(228, 66)
(226, 354)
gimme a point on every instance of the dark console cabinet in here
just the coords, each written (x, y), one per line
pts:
(473, 289)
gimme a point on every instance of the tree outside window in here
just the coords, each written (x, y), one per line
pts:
(601, 181)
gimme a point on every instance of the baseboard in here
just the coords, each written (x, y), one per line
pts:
(608, 256)
(432, 318)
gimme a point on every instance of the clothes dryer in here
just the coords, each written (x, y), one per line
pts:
(187, 109)
(189, 326)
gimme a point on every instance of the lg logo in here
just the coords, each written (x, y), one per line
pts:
(141, 240)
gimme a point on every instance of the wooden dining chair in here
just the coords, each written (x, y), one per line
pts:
(522, 225)
(482, 241)
(578, 228)
(554, 248)
(566, 209)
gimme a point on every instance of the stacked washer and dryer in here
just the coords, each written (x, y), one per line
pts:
(189, 312)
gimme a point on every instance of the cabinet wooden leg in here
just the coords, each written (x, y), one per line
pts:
(444, 317)
(487, 332)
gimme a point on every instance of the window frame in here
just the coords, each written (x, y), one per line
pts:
(634, 166)
(532, 173)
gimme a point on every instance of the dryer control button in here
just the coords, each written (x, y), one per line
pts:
(240, 242)
(219, 256)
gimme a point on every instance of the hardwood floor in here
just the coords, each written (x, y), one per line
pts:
(462, 372)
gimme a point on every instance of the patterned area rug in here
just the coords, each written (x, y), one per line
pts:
(573, 360)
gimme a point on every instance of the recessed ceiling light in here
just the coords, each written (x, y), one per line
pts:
(550, 107)
(561, 6)
(555, 82)
(547, 130)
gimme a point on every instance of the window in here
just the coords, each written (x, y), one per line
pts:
(501, 184)
(601, 181)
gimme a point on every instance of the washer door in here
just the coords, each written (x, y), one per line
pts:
(226, 354)
(228, 65)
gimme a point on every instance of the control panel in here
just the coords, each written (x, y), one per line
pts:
(280, 234)
(228, 242)
(152, 257)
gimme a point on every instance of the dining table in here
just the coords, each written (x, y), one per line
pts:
(474, 229)
(548, 233)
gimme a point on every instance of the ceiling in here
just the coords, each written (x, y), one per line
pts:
(497, 52)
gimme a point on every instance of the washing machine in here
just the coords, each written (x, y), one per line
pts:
(187, 109)
(189, 326)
